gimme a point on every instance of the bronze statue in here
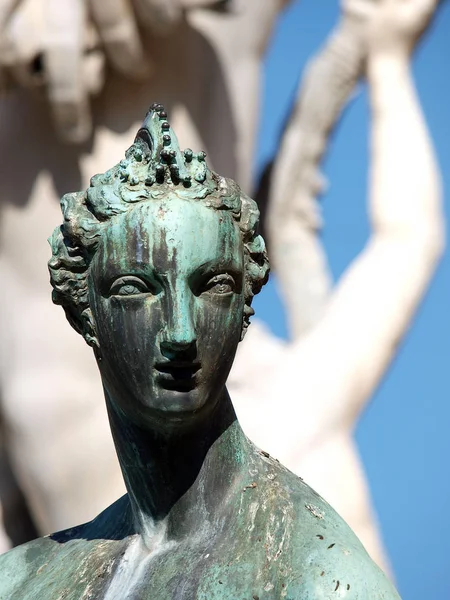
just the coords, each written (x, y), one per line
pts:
(156, 266)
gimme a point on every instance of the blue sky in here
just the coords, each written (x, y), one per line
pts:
(403, 436)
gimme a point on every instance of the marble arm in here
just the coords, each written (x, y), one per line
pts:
(117, 21)
(293, 213)
(239, 40)
(376, 298)
(64, 32)
(120, 36)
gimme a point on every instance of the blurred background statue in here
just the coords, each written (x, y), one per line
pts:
(344, 338)
(204, 64)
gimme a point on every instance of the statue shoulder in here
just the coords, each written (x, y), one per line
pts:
(337, 563)
(59, 565)
(20, 565)
(343, 570)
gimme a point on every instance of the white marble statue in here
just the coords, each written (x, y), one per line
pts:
(343, 339)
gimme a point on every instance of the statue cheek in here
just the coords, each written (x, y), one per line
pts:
(219, 324)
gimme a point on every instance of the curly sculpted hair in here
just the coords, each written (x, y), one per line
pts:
(139, 178)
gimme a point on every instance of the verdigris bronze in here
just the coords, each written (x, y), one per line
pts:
(156, 266)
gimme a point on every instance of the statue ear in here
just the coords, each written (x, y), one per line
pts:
(248, 312)
(83, 323)
(88, 329)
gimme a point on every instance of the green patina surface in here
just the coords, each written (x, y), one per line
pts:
(156, 266)
(278, 540)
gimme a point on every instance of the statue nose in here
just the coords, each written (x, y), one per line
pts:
(179, 349)
(178, 338)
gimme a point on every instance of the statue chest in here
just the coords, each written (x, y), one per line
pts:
(207, 570)
(243, 558)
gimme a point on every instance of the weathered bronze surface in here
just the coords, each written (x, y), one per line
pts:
(156, 266)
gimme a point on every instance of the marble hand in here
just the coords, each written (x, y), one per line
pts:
(395, 25)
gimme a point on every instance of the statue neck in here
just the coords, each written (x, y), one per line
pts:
(175, 478)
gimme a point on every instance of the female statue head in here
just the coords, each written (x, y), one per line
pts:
(156, 265)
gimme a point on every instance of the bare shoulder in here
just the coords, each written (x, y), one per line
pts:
(338, 564)
(332, 561)
(63, 564)
(341, 570)
(23, 564)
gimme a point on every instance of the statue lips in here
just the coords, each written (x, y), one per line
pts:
(177, 375)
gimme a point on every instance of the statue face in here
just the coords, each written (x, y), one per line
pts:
(166, 292)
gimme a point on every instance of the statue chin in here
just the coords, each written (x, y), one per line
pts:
(161, 406)
(176, 402)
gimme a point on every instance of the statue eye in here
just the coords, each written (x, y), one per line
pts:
(128, 286)
(222, 285)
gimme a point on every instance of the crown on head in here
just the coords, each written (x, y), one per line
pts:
(167, 161)
(155, 166)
